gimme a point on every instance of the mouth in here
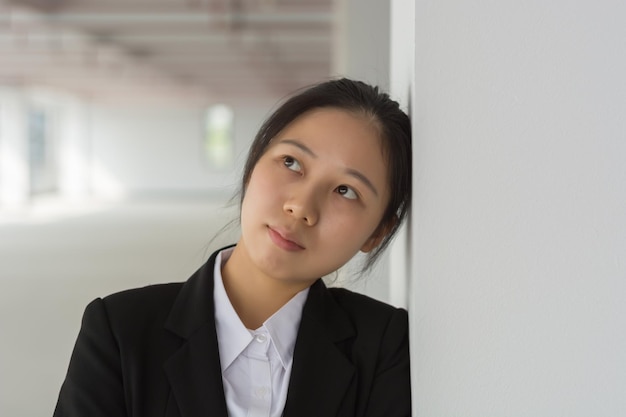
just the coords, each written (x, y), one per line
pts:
(283, 241)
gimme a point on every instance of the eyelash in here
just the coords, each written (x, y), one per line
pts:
(347, 188)
(289, 161)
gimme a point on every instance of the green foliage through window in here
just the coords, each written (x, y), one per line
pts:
(218, 141)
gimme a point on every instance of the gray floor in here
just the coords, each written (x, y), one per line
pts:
(53, 261)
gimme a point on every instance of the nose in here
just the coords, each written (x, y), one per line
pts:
(303, 206)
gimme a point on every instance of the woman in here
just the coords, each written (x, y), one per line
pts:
(255, 332)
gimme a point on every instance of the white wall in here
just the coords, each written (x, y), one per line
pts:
(401, 57)
(518, 303)
(157, 149)
(361, 49)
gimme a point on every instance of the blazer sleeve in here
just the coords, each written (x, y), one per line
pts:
(93, 385)
(391, 390)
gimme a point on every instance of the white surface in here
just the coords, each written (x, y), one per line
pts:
(402, 57)
(362, 41)
(74, 152)
(519, 225)
(14, 175)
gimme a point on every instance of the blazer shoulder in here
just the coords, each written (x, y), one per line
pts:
(366, 310)
(140, 308)
(347, 297)
(144, 298)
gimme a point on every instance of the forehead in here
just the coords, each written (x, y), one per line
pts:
(333, 122)
(339, 126)
(347, 138)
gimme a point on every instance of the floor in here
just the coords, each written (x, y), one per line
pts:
(54, 260)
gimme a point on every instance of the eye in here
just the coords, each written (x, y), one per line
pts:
(347, 192)
(292, 164)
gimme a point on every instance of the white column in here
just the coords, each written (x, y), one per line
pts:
(518, 303)
(402, 73)
(14, 168)
(362, 40)
(74, 150)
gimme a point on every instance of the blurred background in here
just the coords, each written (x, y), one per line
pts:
(123, 98)
(124, 125)
(123, 130)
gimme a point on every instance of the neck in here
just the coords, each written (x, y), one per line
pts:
(255, 296)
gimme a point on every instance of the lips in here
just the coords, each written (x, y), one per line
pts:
(283, 240)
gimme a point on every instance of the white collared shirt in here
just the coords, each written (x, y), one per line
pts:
(256, 364)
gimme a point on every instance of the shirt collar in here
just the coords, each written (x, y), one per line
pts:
(283, 327)
(233, 337)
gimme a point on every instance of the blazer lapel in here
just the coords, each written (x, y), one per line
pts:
(194, 370)
(322, 377)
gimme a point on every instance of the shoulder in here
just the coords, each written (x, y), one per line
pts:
(379, 345)
(129, 311)
(362, 305)
(370, 316)
(144, 298)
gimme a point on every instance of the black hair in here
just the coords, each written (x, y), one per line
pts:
(394, 128)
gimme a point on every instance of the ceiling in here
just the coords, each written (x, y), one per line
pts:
(167, 49)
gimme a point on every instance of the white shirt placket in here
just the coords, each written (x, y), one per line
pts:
(261, 376)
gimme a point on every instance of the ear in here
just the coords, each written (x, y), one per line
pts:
(379, 234)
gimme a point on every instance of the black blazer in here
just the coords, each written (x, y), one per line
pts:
(153, 352)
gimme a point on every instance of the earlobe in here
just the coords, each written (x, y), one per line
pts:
(378, 236)
(371, 243)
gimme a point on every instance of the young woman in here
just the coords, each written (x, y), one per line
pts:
(255, 332)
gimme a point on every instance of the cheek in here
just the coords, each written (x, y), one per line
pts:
(261, 189)
(354, 229)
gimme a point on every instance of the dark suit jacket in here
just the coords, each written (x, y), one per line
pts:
(153, 352)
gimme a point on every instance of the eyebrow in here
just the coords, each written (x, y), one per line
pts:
(352, 172)
(359, 176)
(301, 146)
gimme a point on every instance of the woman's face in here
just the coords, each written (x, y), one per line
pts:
(316, 197)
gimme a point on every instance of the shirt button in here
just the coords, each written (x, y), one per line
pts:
(261, 338)
(260, 392)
